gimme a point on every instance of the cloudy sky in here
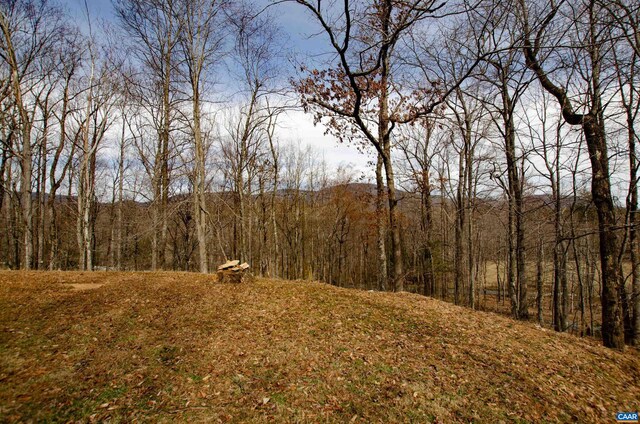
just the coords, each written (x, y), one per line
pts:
(300, 31)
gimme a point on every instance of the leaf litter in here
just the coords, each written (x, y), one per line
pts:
(181, 347)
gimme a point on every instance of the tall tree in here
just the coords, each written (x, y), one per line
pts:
(506, 74)
(29, 32)
(419, 145)
(546, 133)
(200, 42)
(585, 25)
(255, 62)
(467, 120)
(153, 30)
(98, 105)
(625, 17)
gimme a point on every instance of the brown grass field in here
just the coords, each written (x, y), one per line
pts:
(178, 347)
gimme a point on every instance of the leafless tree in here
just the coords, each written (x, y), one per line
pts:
(543, 35)
(200, 46)
(29, 32)
(153, 30)
(625, 22)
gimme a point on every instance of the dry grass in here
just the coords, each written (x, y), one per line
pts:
(181, 347)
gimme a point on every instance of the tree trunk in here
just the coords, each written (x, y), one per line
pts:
(384, 140)
(459, 229)
(469, 214)
(3, 163)
(274, 225)
(199, 200)
(427, 228)
(155, 219)
(42, 172)
(85, 186)
(540, 283)
(612, 325)
(57, 182)
(559, 270)
(26, 153)
(394, 218)
(512, 258)
(523, 302)
(561, 290)
(119, 211)
(517, 278)
(381, 213)
(634, 245)
(162, 245)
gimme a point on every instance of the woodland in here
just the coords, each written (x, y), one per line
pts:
(500, 136)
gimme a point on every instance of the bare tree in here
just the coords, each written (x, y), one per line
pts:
(547, 134)
(255, 62)
(584, 20)
(466, 113)
(200, 42)
(29, 32)
(506, 75)
(152, 27)
(94, 123)
(626, 57)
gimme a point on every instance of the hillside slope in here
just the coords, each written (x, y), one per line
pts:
(181, 347)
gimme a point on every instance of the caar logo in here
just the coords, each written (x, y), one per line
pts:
(627, 417)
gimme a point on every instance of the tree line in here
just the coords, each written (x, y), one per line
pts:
(501, 139)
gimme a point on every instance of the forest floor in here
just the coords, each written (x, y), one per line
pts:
(181, 347)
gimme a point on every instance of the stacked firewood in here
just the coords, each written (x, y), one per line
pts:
(233, 272)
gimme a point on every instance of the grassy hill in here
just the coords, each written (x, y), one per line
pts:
(181, 347)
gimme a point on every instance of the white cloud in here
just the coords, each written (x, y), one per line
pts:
(296, 125)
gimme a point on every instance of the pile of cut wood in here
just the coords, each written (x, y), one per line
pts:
(233, 272)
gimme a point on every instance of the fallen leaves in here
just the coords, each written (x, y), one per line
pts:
(176, 346)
